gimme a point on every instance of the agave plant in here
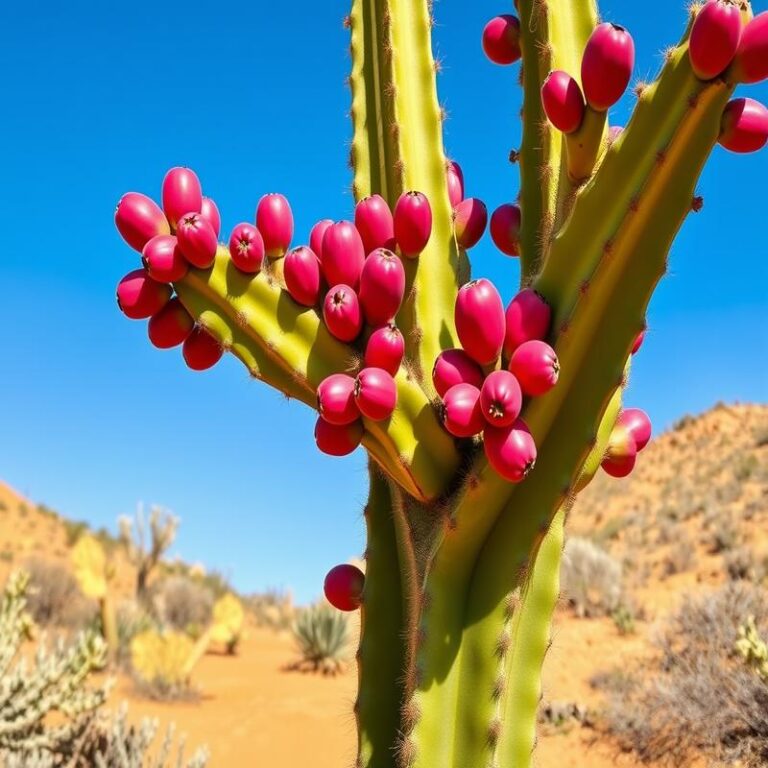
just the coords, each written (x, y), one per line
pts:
(322, 637)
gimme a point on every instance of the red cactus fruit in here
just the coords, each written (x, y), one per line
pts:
(382, 286)
(607, 65)
(301, 272)
(751, 63)
(621, 453)
(470, 218)
(343, 587)
(385, 349)
(714, 38)
(413, 223)
(197, 240)
(536, 367)
(375, 393)
(455, 178)
(138, 219)
(505, 229)
(638, 342)
(745, 126)
(461, 411)
(501, 39)
(501, 398)
(181, 194)
(455, 366)
(316, 235)
(201, 350)
(139, 296)
(511, 450)
(336, 399)
(479, 319)
(163, 259)
(246, 247)
(338, 440)
(274, 220)
(210, 212)
(171, 325)
(527, 317)
(343, 254)
(563, 101)
(342, 313)
(375, 224)
(636, 421)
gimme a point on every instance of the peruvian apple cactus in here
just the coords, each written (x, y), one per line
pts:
(482, 422)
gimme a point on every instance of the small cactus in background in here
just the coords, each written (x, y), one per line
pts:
(474, 469)
(752, 648)
(228, 620)
(162, 662)
(322, 639)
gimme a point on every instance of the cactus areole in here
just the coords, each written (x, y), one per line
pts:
(472, 470)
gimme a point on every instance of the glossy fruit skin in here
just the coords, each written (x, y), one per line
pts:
(342, 313)
(375, 224)
(170, 326)
(744, 126)
(636, 421)
(382, 287)
(412, 223)
(536, 367)
(246, 248)
(316, 235)
(385, 349)
(210, 212)
(201, 350)
(501, 398)
(527, 317)
(197, 240)
(181, 194)
(621, 454)
(751, 63)
(343, 254)
(336, 400)
(462, 413)
(301, 272)
(479, 319)
(274, 219)
(455, 366)
(470, 218)
(501, 39)
(607, 65)
(343, 587)
(163, 259)
(563, 101)
(338, 441)
(714, 38)
(138, 219)
(511, 450)
(638, 342)
(375, 393)
(505, 229)
(455, 179)
(139, 296)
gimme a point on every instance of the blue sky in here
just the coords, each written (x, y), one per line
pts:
(102, 98)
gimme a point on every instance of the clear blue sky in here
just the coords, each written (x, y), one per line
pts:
(101, 98)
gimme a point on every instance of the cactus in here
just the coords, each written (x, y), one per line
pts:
(163, 660)
(752, 648)
(468, 496)
(228, 619)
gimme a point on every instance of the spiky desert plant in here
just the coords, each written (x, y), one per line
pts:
(227, 626)
(464, 535)
(162, 662)
(322, 638)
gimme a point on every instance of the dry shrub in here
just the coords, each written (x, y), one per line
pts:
(54, 599)
(590, 578)
(273, 609)
(183, 603)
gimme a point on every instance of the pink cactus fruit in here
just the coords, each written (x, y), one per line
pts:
(714, 38)
(375, 393)
(614, 132)
(638, 342)
(607, 65)
(181, 193)
(536, 367)
(316, 235)
(246, 247)
(470, 218)
(210, 212)
(563, 101)
(461, 411)
(385, 349)
(336, 400)
(201, 350)
(751, 63)
(744, 127)
(510, 450)
(375, 224)
(163, 259)
(621, 453)
(412, 223)
(343, 254)
(528, 316)
(455, 179)
(170, 326)
(274, 219)
(501, 399)
(197, 240)
(342, 313)
(505, 229)
(636, 421)
(382, 287)
(138, 219)
(479, 316)
(501, 39)
(140, 297)
(455, 366)
(301, 272)
(343, 587)
(338, 440)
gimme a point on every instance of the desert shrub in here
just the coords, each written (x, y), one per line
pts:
(723, 536)
(321, 634)
(679, 558)
(741, 563)
(183, 603)
(162, 662)
(272, 609)
(73, 530)
(700, 697)
(624, 620)
(590, 578)
(132, 619)
(7, 555)
(54, 599)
